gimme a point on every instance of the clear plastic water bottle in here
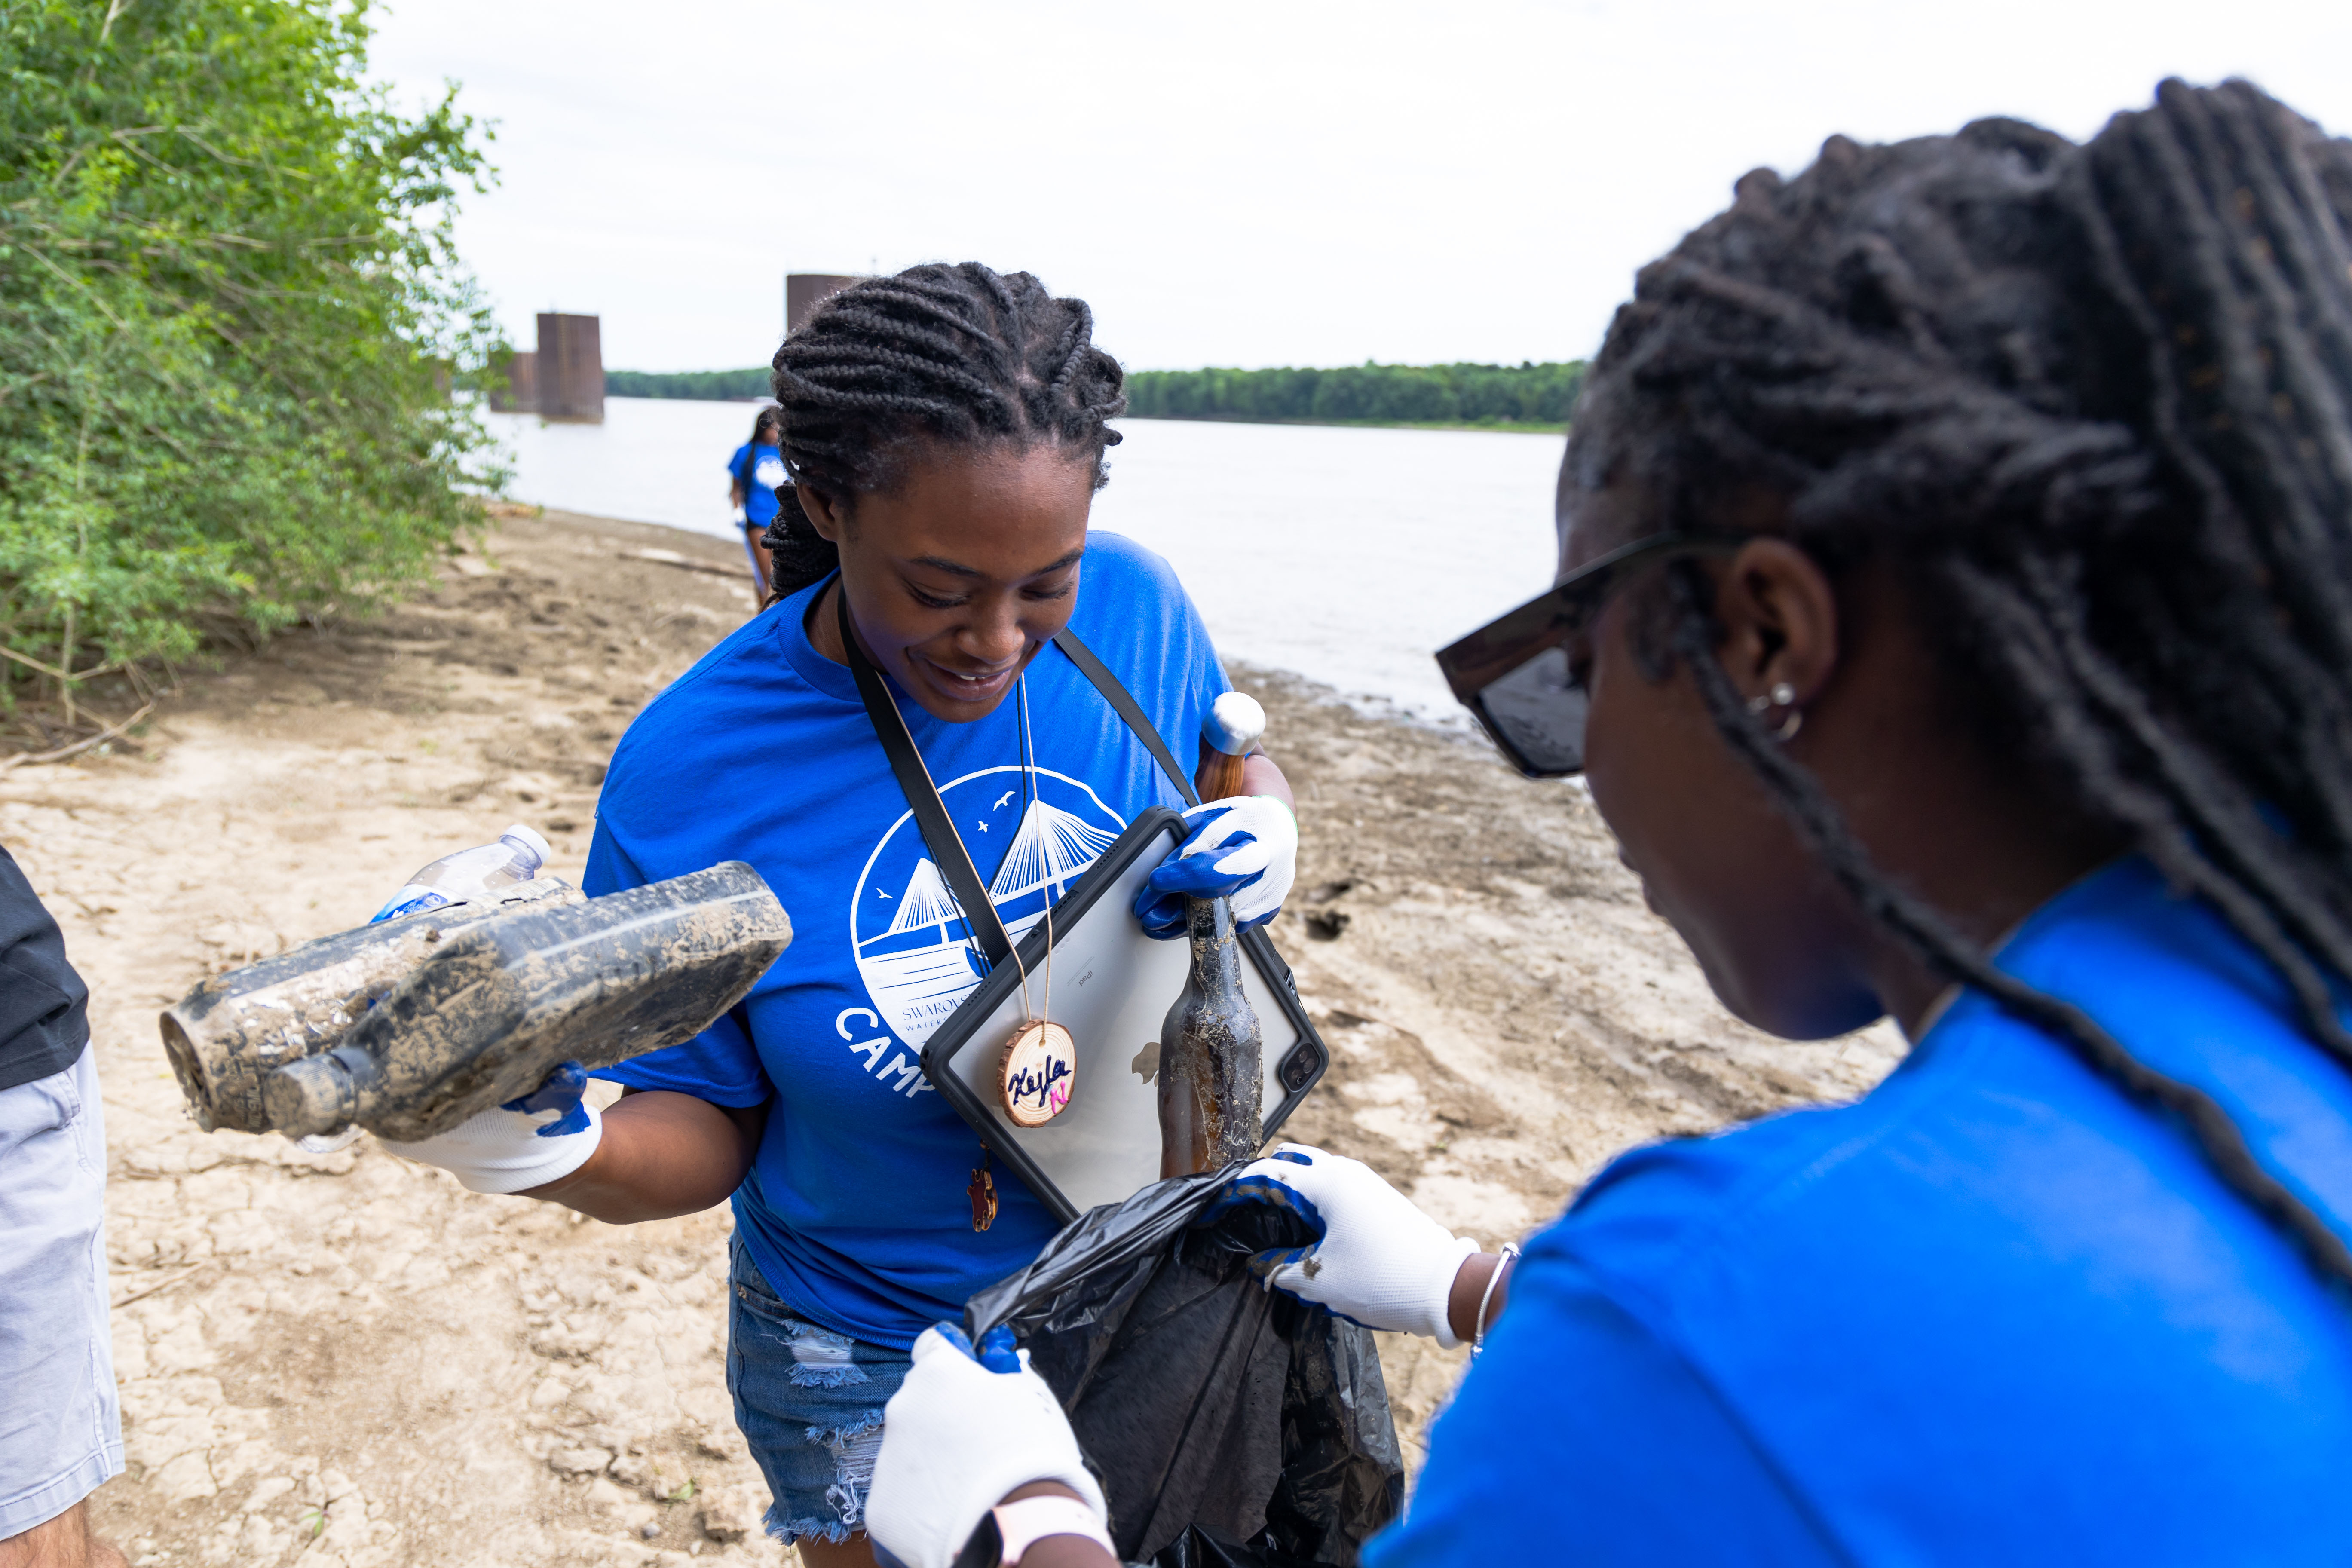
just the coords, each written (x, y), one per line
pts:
(517, 856)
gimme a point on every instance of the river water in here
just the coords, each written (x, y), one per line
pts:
(1346, 555)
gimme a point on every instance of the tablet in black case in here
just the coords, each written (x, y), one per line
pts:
(1112, 988)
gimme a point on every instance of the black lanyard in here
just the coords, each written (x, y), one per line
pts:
(947, 847)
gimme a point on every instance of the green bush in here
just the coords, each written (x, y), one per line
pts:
(229, 318)
(1370, 394)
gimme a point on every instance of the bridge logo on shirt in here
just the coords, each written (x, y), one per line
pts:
(915, 950)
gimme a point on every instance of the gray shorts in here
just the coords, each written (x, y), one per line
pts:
(60, 1424)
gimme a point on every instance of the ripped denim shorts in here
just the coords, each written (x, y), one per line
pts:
(809, 1400)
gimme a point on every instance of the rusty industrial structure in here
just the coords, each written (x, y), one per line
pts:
(571, 368)
(520, 392)
(564, 378)
(803, 291)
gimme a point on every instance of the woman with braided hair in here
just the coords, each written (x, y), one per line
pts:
(1955, 623)
(753, 476)
(944, 430)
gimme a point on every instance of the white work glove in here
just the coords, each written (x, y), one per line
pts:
(1244, 849)
(1381, 1262)
(528, 1143)
(956, 1438)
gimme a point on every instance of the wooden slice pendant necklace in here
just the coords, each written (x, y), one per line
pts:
(1040, 1079)
(1037, 1071)
(1034, 1077)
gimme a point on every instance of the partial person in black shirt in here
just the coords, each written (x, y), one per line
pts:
(44, 1005)
(60, 1425)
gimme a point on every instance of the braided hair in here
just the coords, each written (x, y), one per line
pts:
(957, 355)
(2093, 405)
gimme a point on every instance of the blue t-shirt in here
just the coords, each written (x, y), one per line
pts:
(1996, 1312)
(855, 1207)
(758, 470)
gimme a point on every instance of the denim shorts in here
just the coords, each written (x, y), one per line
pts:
(60, 1428)
(809, 1400)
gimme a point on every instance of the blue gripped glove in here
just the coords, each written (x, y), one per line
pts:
(963, 1430)
(527, 1142)
(1377, 1261)
(1244, 849)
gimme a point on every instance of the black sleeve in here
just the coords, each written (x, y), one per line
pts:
(44, 1005)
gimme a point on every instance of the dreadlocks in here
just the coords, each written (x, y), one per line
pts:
(2095, 405)
(960, 355)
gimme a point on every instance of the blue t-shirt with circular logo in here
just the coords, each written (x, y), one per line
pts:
(856, 1208)
(758, 470)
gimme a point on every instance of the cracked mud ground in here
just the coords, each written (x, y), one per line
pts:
(348, 1361)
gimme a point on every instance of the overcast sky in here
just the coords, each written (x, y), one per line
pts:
(1275, 182)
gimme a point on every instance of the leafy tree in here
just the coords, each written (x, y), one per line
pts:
(229, 316)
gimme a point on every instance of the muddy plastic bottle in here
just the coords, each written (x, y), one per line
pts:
(469, 873)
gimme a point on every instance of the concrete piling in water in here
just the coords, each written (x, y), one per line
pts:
(563, 380)
(520, 394)
(805, 291)
(571, 368)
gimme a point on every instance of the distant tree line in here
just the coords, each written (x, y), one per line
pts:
(1526, 394)
(717, 385)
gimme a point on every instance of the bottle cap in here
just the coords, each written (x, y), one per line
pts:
(1235, 724)
(529, 838)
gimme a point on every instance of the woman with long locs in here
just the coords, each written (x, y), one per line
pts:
(1954, 623)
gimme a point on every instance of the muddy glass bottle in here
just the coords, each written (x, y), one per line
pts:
(1209, 1051)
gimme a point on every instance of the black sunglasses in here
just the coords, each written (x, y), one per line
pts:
(1513, 674)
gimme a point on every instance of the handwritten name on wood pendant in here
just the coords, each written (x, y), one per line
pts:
(1037, 1074)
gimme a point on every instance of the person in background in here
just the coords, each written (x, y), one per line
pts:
(1954, 623)
(752, 475)
(60, 1425)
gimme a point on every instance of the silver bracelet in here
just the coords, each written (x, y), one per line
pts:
(1506, 1258)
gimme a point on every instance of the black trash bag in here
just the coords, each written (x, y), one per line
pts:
(1232, 1427)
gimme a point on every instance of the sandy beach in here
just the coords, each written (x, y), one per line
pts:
(346, 1360)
